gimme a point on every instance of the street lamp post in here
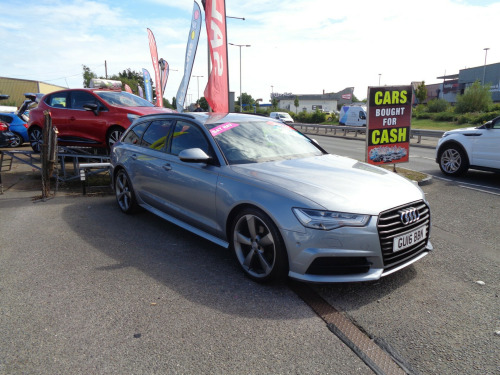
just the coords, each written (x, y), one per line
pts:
(379, 78)
(485, 55)
(198, 81)
(240, 45)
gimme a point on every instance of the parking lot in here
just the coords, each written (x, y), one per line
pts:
(87, 289)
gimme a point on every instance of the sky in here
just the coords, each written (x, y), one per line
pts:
(296, 46)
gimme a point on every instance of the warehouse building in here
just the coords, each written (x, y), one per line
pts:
(16, 88)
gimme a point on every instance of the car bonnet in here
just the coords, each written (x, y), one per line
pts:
(335, 183)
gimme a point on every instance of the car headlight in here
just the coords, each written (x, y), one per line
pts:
(132, 117)
(328, 220)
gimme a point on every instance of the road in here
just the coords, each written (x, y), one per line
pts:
(86, 289)
(422, 159)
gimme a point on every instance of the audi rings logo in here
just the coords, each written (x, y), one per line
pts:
(409, 216)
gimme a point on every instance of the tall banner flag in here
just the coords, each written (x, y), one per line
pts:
(217, 90)
(164, 70)
(128, 89)
(139, 90)
(147, 85)
(154, 59)
(192, 44)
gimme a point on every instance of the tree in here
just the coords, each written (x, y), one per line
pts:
(421, 92)
(274, 102)
(476, 98)
(246, 100)
(203, 103)
(87, 76)
(296, 103)
(174, 102)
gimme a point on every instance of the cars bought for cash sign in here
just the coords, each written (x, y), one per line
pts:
(388, 125)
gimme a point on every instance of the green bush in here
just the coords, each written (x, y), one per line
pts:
(444, 116)
(437, 105)
(423, 115)
(476, 98)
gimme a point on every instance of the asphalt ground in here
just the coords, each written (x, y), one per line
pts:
(79, 296)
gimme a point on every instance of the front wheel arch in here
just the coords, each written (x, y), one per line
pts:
(113, 135)
(453, 149)
(258, 248)
(35, 137)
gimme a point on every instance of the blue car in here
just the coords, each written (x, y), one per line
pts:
(17, 126)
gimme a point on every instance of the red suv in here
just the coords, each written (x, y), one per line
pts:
(88, 117)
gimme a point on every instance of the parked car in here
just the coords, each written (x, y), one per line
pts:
(6, 136)
(472, 148)
(17, 126)
(275, 197)
(88, 117)
(282, 116)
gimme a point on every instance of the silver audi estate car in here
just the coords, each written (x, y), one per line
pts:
(281, 203)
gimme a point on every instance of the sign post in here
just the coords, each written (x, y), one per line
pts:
(388, 125)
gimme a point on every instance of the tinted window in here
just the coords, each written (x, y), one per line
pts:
(79, 98)
(156, 135)
(6, 119)
(134, 135)
(58, 100)
(187, 135)
(261, 141)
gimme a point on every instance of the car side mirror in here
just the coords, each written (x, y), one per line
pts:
(92, 107)
(194, 155)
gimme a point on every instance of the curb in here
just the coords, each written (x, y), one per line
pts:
(425, 181)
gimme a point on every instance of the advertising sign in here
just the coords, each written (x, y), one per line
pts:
(389, 124)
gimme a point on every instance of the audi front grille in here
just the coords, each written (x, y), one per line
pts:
(390, 225)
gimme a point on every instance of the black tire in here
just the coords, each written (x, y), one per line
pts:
(36, 138)
(18, 142)
(114, 135)
(124, 192)
(258, 246)
(453, 160)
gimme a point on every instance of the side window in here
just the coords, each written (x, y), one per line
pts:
(496, 125)
(58, 100)
(156, 135)
(79, 98)
(187, 135)
(135, 133)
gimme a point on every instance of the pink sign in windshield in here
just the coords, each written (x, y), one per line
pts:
(222, 128)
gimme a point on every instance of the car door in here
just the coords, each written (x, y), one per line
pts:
(486, 148)
(189, 189)
(58, 103)
(84, 126)
(146, 158)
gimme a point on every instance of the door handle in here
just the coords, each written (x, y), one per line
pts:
(134, 157)
(167, 167)
(72, 118)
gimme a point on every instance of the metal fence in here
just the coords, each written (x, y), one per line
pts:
(349, 130)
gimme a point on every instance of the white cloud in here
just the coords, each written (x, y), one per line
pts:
(300, 46)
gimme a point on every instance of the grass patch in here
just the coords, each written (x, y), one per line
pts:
(409, 174)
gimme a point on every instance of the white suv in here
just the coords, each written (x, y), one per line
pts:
(474, 148)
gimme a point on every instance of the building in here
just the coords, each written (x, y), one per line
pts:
(328, 102)
(16, 88)
(455, 84)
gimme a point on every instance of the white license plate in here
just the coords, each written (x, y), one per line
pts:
(409, 239)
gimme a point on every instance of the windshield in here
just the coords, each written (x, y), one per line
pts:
(123, 99)
(261, 141)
